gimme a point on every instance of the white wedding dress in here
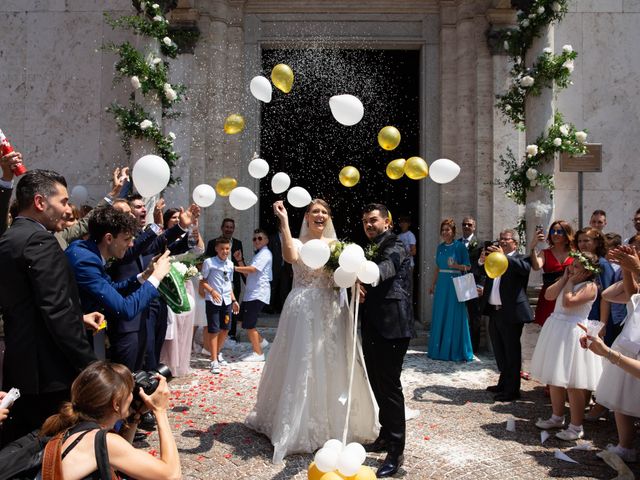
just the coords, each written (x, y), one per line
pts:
(302, 395)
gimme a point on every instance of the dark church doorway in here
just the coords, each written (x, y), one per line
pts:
(299, 135)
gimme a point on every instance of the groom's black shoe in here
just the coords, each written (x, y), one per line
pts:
(379, 445)
(390, 466)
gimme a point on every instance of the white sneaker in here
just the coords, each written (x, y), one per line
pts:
(215, 367)
(206, 352)
(627, 454)
(221, 360)
(570, 434)
(253, 357)
(550, 423)
(264, 344)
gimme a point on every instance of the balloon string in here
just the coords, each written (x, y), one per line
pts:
(355, 300)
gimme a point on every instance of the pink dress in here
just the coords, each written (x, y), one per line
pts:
(176, 350)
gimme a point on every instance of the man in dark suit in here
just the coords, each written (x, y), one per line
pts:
(387, 327)
(282, 273)
(505, 300)
(474, 247)
(46, 343)
(227, 228)
(8, 162)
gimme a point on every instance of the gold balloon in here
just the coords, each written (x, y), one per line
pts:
(496, 264)
(416, 168)
(395, 169)
(225, 185)
(349, 176)
(331, 476)
(234, 124)
(282, 77)
(389, 138)
(313, 473)
(364, 473)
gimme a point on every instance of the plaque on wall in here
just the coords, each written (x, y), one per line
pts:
(589, 162)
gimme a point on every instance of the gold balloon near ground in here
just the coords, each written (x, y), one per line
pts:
(313, 473)
(282, 77)
(364, 473)
(496, 264)
(233, 124)
(389, 138)
(395, 168)
(416, 168)
(349, 176)
(225, 185)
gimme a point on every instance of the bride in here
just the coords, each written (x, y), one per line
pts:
(302, 397)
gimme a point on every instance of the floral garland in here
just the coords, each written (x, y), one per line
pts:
(586, 263)
(149, 74)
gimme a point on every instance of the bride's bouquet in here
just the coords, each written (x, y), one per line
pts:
(172, 288)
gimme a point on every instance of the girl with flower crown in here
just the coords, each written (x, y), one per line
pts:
(558, 359)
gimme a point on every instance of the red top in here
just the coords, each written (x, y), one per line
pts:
(551, 266)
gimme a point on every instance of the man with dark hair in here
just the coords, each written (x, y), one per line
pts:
(387, 327)
(598, 220)
(46, 344)
(110, 235)
(474, 247)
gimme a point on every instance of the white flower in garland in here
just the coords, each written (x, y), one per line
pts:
(548, 50)
(540, 209)
(506, 45)
(564, 130)
(145, 124)
(532, 16)
(172, 135)
(532, 150)
(532, 174)
(135, 82)
(567, 48)
(524, 23)
(568, 64)
(143, 5)
(158, 18)
(169, 92)
(156, 60)
(526, 81)
(557, 142)
(555, 6)
(581, 136)
(180, 267)
(155, 6)
(533, 183)
(540, 10)
(507, 108)
(167, 41)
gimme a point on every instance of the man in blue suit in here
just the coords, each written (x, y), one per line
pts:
(111, 236)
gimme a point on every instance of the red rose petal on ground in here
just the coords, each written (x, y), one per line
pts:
(227, 455)
(427, 437)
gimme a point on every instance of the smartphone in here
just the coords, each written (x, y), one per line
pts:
(539, 228)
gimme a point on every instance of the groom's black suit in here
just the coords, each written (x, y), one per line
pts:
(387, 326)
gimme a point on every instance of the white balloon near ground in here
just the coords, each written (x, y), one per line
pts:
(150, 175)
(280, 182)
(204, 195)
(351, 258)
(326, 459)
(346, 109)
(344, 279)
(241, 198)
(443, 170)
(79, 195)
(298, 197)
(358, 450)
(258, 168)
(368, 272)
(348, 463)
(333, 444)
(261, 88)
(315, 253)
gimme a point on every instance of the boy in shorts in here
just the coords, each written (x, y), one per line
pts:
(220, 303)
(257, 291)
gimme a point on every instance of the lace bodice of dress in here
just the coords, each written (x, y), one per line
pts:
(581, 311)
(305, 277)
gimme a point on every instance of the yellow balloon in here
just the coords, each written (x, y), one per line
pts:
(395, 169)
(225, 185)
(349, 176)
(313, 473)
(389, 138)
(234, 124)
(496, 264)
(282, 77)
(332, 476)
(364, 473)
(416, 168)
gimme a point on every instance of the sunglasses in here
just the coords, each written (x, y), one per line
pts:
(225, 274)
(557, 232)
(255, 239)
(467, 224)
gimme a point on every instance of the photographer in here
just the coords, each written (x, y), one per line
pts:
(101, 397)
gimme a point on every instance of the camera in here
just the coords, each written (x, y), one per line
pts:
(148, 382)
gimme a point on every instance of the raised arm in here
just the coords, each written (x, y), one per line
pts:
(537, 257)
(289, 250)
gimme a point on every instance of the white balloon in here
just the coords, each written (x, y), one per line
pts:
(333, 444)
(315, 253)
(368, 272)
(280, 182)
(348, 463)
(79, 195)
(258, 168)
(150, 175)
(297, 244)
(358, 450)
(204, 195)
(298, 197)
(241, 198)
(326, 459)
(351, 258)
(443, 170)
(261, 88)
(346, 109)
(344, 279)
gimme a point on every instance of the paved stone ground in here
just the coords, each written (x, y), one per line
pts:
(460, 432)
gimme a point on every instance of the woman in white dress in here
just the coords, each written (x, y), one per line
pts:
(302, 397)
(558, 360)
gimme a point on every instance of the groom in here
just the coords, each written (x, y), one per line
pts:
(387, 325)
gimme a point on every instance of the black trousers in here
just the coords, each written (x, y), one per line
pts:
(157, 315)
(129, 348)
(384, 358)
(505, 339)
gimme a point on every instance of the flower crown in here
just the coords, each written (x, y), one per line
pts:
(586, 263)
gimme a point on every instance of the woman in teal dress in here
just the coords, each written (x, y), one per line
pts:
(450, 338)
